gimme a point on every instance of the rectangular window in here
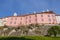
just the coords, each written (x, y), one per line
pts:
(20, 22)
(29, 21)
(26, 17)
(41, 15)
(26, 21)
(30, 17)
(20, 18)
(48, 15)
(10, 22)
(14, 22)
(35, 15)
(42, 19)
(15, 18)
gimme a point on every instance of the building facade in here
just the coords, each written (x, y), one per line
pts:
(58, 19)
(3, 21)
(48, 17)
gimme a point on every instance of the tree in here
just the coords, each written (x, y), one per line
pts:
(53, 30)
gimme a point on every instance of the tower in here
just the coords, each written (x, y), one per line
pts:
(15, 14)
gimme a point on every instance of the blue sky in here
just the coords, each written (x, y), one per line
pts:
(8, 7)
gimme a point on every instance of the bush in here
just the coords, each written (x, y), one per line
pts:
(53, 30)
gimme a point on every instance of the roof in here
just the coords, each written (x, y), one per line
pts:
(49, 12)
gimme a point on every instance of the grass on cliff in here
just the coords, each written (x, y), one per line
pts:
(30, 38)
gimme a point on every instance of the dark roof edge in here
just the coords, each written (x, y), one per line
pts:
(46, 12)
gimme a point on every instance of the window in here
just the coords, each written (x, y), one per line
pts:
(29, 16)
(14, 22)
(41, 15)
(35, 15)
(49, 19)
(48, 15)
(21, 18)
(15, 18)
(26, 21)
(42, 19)
(20, 22)
(35, 20)
(26, 17)
(10, 22)
(29, 21)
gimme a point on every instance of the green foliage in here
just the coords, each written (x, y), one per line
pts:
(53, 30)
(30, 38)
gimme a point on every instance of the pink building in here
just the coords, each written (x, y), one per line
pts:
(40, 18)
